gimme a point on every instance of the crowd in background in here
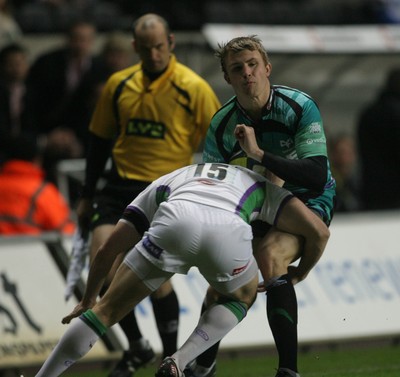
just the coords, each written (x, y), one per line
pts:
(51, 99)
(48, 102)
(54, 15)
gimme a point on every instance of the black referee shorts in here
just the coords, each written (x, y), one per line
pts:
(110, 203)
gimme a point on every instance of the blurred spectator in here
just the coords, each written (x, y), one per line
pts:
(55, 75)
(9, 29)
(52, 81)
(29, 204)
(379, 138)
(116, 55)
(14, 107)
(343, 158)
(61, 144)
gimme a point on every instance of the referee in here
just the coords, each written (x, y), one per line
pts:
(151, 118)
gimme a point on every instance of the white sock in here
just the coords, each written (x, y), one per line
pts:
(74, 344)
(213, 325)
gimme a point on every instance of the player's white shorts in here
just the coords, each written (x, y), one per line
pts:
(185, 234)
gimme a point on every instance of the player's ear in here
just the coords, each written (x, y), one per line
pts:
(268, 68)
(171, 41)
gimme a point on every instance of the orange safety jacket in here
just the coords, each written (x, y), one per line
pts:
(29, 204)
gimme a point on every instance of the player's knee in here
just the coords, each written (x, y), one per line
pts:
(276, 252)
(247, 293)
(212, 296)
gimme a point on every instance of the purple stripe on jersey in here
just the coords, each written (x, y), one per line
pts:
(246, 195)
(135, 216)
(133, 208)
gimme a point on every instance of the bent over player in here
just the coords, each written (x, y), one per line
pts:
(196, 216)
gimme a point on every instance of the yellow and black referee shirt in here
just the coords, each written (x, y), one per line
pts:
(157, 125)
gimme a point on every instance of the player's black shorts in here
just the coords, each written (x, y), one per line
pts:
(110, 203)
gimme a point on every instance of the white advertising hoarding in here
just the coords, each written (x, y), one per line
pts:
(31, 304)
(312, 39)
(353, 292)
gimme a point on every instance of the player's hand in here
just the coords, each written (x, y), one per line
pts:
(261, 287)
(78, 310)
(295, 274)
(247, 140)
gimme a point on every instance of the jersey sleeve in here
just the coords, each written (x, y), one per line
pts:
(220, 143)
(310, 136)
(205, 106)
(275, 199)
(220, 140)
(141, 210)
(211, 151)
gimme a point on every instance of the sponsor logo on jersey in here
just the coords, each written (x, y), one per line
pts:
(321, 140)
(146, 128)
(202, 333)
(315, 128)
(152, 249)
(238, 270)
(286, 143)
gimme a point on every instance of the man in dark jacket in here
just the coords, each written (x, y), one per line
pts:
(378, 138)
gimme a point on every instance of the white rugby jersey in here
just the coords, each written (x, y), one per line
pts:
(233, 188)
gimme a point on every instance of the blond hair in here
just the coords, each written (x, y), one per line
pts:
(235, 45)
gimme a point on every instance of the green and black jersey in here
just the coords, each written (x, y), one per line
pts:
(291, 128)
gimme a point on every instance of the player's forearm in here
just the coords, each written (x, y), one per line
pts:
(97, 275)
(309, 172)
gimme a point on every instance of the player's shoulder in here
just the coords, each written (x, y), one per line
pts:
(226, 115)
(227, 109)
(287, 92)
